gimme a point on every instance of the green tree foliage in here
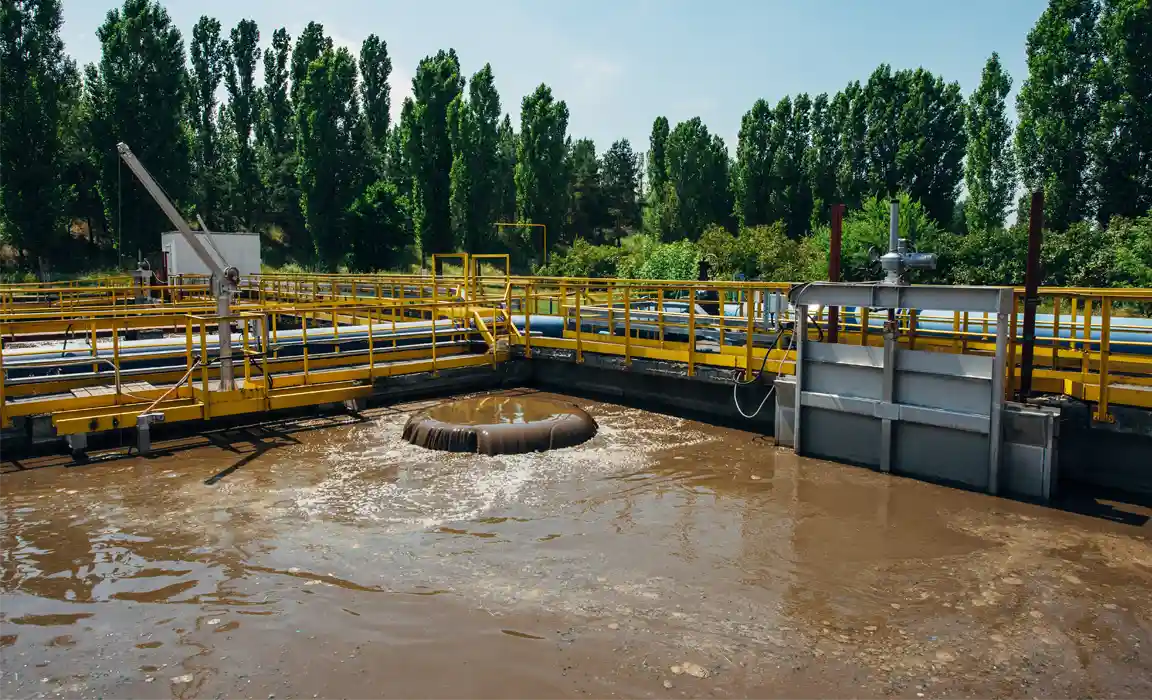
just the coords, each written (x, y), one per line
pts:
(400, 141)
(507, 149)
(849, 121)
(437, 83)
(645, 257)
(80, 174)
(244, 107)
(541, 176)
(377, 228)
(764, 252)
(792, 200)
(316, 135)
(1082, 255)
(1133, 252)
(991, 256)
(276, 139)
(209, 184)
(331, 145)
(309, 45)
(620, 187)
(884, 100)
(586, 199)
(1121, 147)
(697, 192)
(376, 97)
(137, 95)
(771, 180)
(462, 132)
(914, 139)
(584, 259)
(491, 171)
(473, 126)
(752, 178)
(990, 174)
(35, 76)
(823, 158)
(1056, 109)
(657, 163)
(934, 142)
(656, 175)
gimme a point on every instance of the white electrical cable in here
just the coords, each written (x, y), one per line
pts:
(736, 385)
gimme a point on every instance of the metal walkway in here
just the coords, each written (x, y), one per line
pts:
(97, 355)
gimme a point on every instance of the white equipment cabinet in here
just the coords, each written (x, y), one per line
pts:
(240, 250)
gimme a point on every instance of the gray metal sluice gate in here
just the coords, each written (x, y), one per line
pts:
(928, 415)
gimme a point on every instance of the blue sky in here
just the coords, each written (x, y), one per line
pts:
(620, 63)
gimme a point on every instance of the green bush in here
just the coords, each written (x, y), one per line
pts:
(583, 260)
(763, 252)
(994, 257)
(1132, 260)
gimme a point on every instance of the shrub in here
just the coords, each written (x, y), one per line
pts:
(583, 260)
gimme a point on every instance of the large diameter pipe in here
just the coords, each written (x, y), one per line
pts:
(835, 239)
(1031, 292)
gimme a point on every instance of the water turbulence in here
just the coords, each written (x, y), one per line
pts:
(495, 425)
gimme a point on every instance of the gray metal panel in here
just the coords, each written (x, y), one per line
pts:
(1005, 307)
(855, 355)
(941, 455)
(785, 411)
(842, 437)
(875, 295)
(969, 366)
(801, 333)
(1030, 425)
(940, 418)
(1030, 450)
(889, 396)
(950, 420)
(949, 393)
(1027, 471)
(931, 415)
(842, 404)
(845, 380)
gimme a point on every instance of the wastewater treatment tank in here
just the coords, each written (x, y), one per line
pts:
(494, 425)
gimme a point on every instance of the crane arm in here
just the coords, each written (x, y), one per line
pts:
(223, 280)
(170, 211)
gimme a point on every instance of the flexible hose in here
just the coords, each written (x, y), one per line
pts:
(174, 387)
(771, 390)
(736, 382)
(763, 362)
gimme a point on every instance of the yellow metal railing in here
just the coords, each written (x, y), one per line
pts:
(282, 357)
(1086, 347)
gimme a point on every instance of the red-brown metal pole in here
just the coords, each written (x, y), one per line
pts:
(1031, 291)
(836, 231)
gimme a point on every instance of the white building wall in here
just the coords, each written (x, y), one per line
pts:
(239, 250)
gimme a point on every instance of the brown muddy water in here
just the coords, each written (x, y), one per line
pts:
(326, 557)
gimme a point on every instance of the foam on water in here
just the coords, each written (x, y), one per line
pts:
(375, 475)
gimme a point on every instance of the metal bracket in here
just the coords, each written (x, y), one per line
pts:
(144, 423)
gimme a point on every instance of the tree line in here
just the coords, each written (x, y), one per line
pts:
(311, 159)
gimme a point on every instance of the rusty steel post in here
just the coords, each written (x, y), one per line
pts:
(1031, 292)
(836, 231)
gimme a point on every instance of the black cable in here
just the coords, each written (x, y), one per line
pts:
(819, 330)
(67, 335)
(763, 361)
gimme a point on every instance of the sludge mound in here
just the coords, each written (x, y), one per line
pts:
(495, 425)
